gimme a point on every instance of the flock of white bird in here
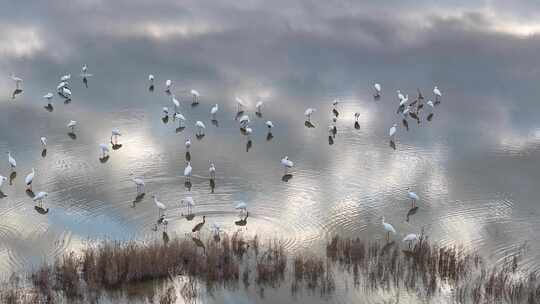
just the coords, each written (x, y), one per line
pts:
(405, 108)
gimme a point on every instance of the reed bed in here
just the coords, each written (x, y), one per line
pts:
(181, 267)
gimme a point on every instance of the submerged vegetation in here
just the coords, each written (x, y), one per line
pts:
(183, 267)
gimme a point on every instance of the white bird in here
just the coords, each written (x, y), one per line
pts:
(168, 85)
(404, 100)
(176, 104)
(410, 238)
(406, 111)
(139, 183)
(181, 119)
(244, 121)
(393, 131)
(212, 171)
(269, 124)
(377, 87)
(11, 160)
(430, 103)
(161, 207)
(214, 111)
(48, 97)
(216, 229)
(195, 94)
(248, 131)
(335, 102)
(18, 80)
(151, 79)
(189, 203)
(308, 113)
(187, 171)
(188, 144)
(287, 164)
(114, 134)
(242, 207)
(61, 85)
(39, 197)
(65, 92)
(200, 128)
(437, 92)
(104, 148)
(84, 72)
(165, 111)
(43, 140)
(388, 228)
(29, 178)
(400, 95)
(258, 106)
(239, 105)
(413, 196)
(65, 77)
(2, 180)
(71, 125)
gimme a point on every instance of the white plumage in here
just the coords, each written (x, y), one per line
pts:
(11, 161)
(187, 171)
(244, 121)
(72, 124)
(242, 206)
(200, 127)
(388, 227)
(393, 130)
(269, 124)
(377, 87)
(214, 110)
(410, 237)
(65, 77)
(188, 144)
(29, 178)
(400, 95)
(104, 148)
(437, 92)
(2, 180)
(308, 112)
(168, 85)
(258, 106)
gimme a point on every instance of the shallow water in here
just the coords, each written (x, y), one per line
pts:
(474, 165)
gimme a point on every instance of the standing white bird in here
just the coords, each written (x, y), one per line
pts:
(181, 119)
(410, 238)
(195, 95)
(388, 228)
(335, 102)
(189, 203)
(65, 92)
(430, 103)
(151, 79)
(114, 135)
(176, 104)
(216, 230)
(413, 196)
(165, 111)
(65, 77)
(84, 72)
(392, 132)
(161, 207)
(11, 160)
(139, 183)
(2, 180)
(242, 207)
(400, 95)
(437, 93)
(188, 144)
(244, 121)
(168, 85)
(18, 80)
(269, 124)
(48, 97)
(259, 106)
(61, 85)
(39, 197)
(200, 128)
(287, 164)
(214, 111)
(239, 105)
(377, 88)
(84, 69)
(43, 141)
(308, 113)
(404, 100)
(29, 178)
(212, 171)
(71, 125)
(248, 131)
(187, 172)
(104, 148)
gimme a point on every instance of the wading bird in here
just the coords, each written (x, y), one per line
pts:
(195, 95)
(241, 207)
(388, 228)
(39, 197)
(104, 148)
(308, 113)
(114, 135)
(161, 208)
(437, 93)
(71, 125)
(258, 107)
(410, 238)
(213, 111)
(29, 179)
(181, 119)
(413, 196)
(187, 171)
(287, 164)
(43, 141)
(239, 105)
(176, 104)
(199, 226)
(18, 80)
(200, 128)
(11, 160)
(48, 97)
(189, 203)
(212, 171)
(139, 183)
(168, 85)
(244, 121)
(377, 88)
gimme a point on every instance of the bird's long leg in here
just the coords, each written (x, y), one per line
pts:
(387, 236)
(410, 244)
